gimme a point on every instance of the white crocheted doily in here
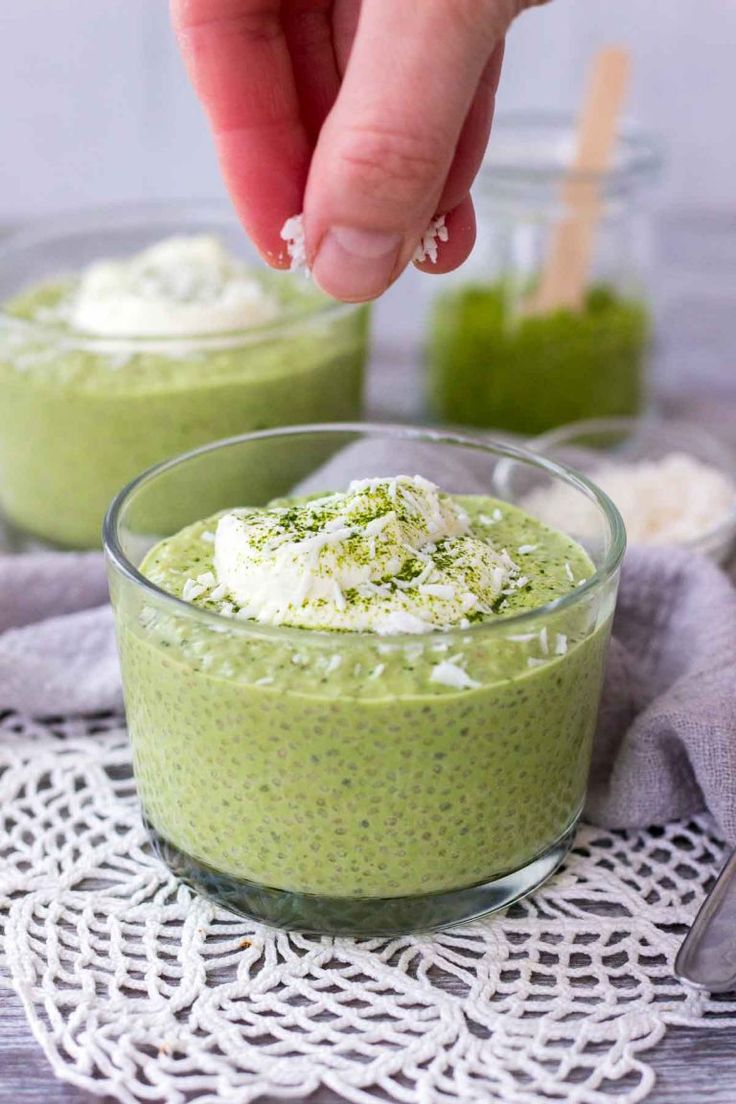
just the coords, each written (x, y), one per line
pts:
(141, 991)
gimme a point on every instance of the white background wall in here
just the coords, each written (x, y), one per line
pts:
(96, 107)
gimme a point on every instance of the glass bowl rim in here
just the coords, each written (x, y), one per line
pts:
(650, 424)
(120, 562)
(110, 215)
(645, 153)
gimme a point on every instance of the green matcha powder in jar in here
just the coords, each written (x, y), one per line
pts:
(491, 359)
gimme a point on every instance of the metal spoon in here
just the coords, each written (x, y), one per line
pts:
(707, 957)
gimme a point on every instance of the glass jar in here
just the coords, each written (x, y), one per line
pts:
(325, 780)
(81, 415)
(499, 357)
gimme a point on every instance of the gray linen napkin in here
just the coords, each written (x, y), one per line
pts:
(666, 743)
(666, 740)
(57, 644)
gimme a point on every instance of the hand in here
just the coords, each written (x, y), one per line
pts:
(371, 117)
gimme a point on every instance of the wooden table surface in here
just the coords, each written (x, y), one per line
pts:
(694, 377)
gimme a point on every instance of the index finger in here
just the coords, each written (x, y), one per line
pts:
(239, 63)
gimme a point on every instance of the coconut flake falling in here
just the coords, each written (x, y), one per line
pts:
(428, 248)
(292, 232)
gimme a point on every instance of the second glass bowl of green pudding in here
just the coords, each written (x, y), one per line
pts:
(131, 334)
(358, 702)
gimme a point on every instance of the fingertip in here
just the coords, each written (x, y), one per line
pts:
(262, 231)
(280, 261)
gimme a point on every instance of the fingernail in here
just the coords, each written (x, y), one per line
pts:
(356, 264)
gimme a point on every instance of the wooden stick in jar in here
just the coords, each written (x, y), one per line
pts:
(565, 273)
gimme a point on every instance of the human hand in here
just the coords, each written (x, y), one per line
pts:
(370, 116)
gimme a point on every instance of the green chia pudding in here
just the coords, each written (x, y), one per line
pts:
(109, 370)
(529, 374)
(345, 726)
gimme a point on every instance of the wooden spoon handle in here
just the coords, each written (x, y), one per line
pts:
(565, 274)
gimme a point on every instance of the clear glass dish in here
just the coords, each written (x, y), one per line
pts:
(320, 780)
(584, 445)
(82, 415)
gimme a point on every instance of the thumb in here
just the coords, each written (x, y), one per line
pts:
(384, 152)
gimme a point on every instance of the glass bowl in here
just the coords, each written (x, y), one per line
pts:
(81, 415)
(321, 780)
(583, 445)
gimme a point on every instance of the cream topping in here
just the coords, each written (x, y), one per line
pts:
(387, 556)
(182, 286)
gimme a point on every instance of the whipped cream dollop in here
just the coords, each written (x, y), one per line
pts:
(387, 556)
(181, 286)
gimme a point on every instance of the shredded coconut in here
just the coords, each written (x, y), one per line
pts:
(669, 501)
(292, 232)
(191, 590)
(333, 663)
(449, 674)
(428, 248)
(398, 621)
